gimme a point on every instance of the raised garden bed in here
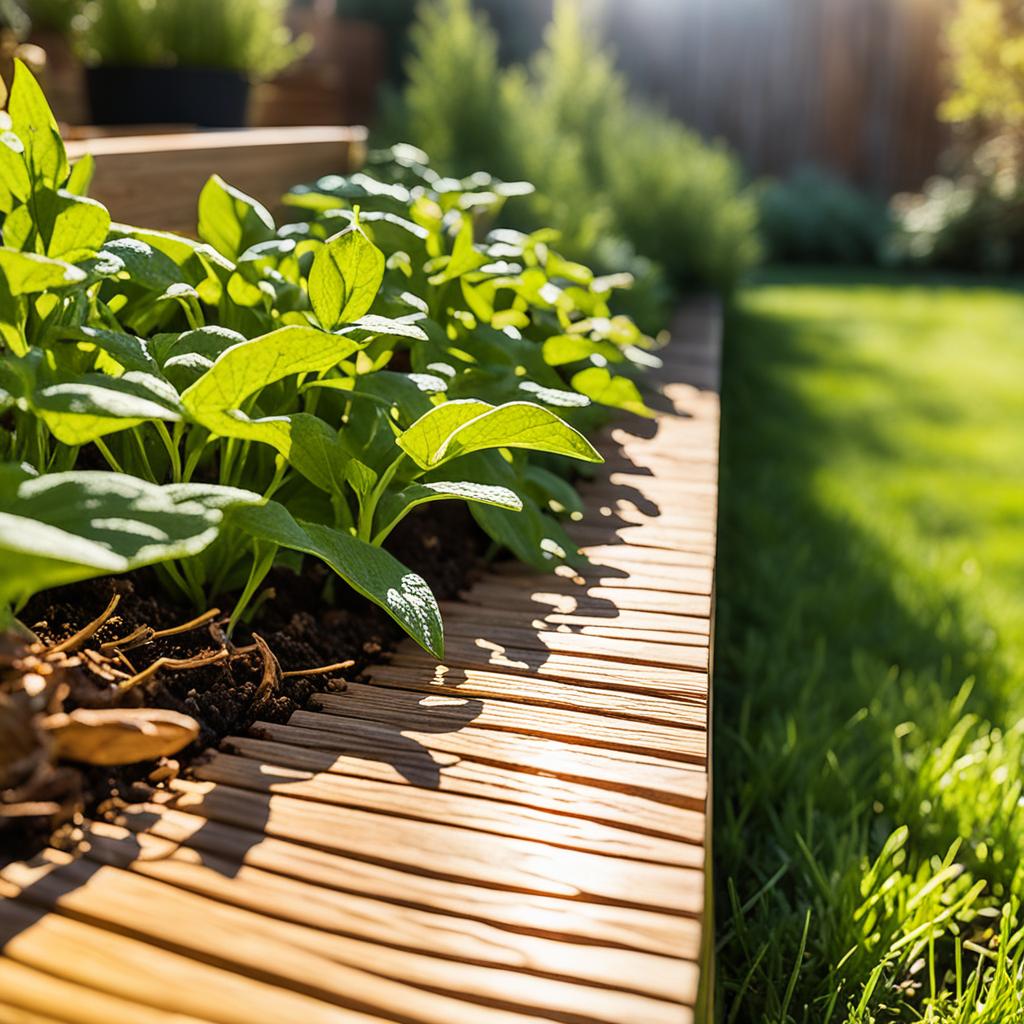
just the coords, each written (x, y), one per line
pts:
(515, 832)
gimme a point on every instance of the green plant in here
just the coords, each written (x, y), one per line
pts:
(603, 163)
(250, 36)
(814, 217)
(973, 221)
(986, 44)
(454, 97)
(299, 388)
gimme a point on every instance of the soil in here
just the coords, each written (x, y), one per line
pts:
(302, 629)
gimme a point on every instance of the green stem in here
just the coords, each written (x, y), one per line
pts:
(281, 468)
(193, 460)
(108, 455)
(172, 449)
(147, 469)
(186, 587)
(368, 507)
(262, 561)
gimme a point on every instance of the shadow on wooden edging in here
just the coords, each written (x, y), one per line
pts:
(519, 834)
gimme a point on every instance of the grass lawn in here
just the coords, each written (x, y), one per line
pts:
(869, 744)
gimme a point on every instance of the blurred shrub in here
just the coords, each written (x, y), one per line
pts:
(603, 163)
(815, 217)
(453, 99)
(244, 35)
(52, 14)
(986, 46)
(971, 222)
(681, 201)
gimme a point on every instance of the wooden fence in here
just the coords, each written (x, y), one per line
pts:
(848, 84)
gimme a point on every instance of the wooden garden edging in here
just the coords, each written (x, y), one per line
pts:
(154, 180)
(517, 835)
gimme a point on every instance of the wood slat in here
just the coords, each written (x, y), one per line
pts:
(97, 959)
(481, 814)
(155, 180)
(424, 754)
(432, 712)
(160, 830)
(312, 962)
(489, 782)
(526, 690)
(448, 851)
(393, 925)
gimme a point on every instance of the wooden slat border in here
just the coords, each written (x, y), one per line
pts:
(154, 181)
(520, 834)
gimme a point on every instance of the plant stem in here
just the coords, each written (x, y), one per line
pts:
(172, 449)
(108, 455)
(368, 508)
(262, 561)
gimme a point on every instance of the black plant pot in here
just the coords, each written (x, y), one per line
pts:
(207, 97)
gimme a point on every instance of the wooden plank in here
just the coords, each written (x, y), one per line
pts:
(410, 928)
(500, 784)
(525, 690)
(424, 754)
(556, 594)
(463, 810)
(154, 180)
(432, 713)
(35, 996)
(448, 851)
(315, 963)
(161, 830)
(689, 628)
(160, 979)
(684, 683)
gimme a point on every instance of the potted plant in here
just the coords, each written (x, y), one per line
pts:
(179, 61)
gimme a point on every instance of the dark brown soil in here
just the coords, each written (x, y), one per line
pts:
(301, 626)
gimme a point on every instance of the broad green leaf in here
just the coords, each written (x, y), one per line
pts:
(79, 225)
(397, 505)
(33, 122)
(617, 392)
(573, 348)
(309, 444)
(64, 527)
(554, 491)
(533, 537)
(145, 265)
(127, 350)
(427, 435)
(15, 183)
(345, 277)
(248, 367)
(556, 266)
(62, 224)
(28, 272)
(230, 220)
(80, 411)
(371, 571)
(82, 172)
(461, 427)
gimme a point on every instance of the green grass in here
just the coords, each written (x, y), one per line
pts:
(869, 745)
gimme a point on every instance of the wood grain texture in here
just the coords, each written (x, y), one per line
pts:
(154, 180)
(518, 834)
